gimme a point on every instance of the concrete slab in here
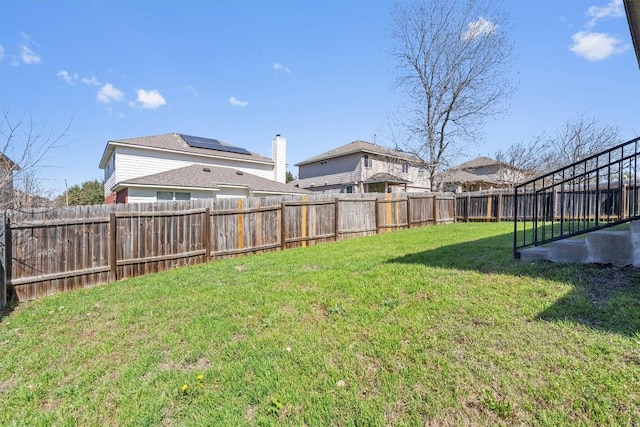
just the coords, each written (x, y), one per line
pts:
(635, 241)
(610, 247)
(569, 250)
(533, 254)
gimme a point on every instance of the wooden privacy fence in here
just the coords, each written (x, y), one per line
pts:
(498, 205)
(46, 251)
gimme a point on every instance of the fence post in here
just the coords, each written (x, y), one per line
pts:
(408, 212)
(623, 202)
(283, 244)
(499, 214)
(113, 256)
(435, 209)
(468, 208)
(6, 259)
(377, 216)
(336, 218)
(207, 234)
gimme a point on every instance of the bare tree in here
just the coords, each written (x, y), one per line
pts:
(451, 58)
(579, 139)
(522, 161)
(23, 149)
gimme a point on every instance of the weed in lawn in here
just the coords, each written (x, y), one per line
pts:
(275, 406)
(500, 407)
(406, 328)
(335, 310)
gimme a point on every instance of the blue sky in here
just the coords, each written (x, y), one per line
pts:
(317, 72)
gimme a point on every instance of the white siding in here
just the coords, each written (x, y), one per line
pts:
(148, 195)
(278, 155)
(133, 162)
(230, 192)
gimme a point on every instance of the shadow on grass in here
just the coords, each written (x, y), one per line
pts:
(603, 297)
(10, 305)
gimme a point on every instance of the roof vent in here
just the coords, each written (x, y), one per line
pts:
(206, 170)
(239, 173)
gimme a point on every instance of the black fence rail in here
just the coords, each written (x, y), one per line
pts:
(597, 192)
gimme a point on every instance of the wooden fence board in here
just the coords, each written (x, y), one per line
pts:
(54, 250)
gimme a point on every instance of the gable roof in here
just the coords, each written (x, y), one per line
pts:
(458, 176)
(386, 177)
(478, 162)
(205, 177)
(358, 147)
(175, 142)
(12, 165)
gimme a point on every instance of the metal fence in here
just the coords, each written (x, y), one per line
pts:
(596, 192)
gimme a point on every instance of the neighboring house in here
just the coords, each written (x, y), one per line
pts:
(362, 167)
(7, 168)
(482, 173)
(182, 167)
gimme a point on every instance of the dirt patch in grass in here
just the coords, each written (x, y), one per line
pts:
(7, 385)
(250, 413)
(600, 284)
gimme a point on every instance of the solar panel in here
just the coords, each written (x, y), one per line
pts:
(212, 144)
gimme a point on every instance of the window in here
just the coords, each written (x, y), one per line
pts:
(421, 169)
(348, 189)
(172, 195)
(405, 167)
(111, 165)
(367, 161)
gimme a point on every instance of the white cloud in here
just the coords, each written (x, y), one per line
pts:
(90, 81)
(237, 103)
(1, 52)
(613, 9)
(280, 68)
(191, 90)
(108, 93)
(479, 28)
(28, 56)
(596, 46)
(150, 100)
(67, 77)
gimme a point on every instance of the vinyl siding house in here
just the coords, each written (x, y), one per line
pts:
(7, 168)
(182, 167)
(482, 173)
(362, 167)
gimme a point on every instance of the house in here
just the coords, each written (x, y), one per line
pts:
(481, 173)
(362, 167)
(7, 168)
(175, 166)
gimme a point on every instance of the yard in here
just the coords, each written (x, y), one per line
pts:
(427, 326)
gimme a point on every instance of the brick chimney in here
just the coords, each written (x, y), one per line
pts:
(279, 156)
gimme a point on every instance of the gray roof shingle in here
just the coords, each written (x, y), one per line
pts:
(212, 177)
(357, 147)
(175, 142)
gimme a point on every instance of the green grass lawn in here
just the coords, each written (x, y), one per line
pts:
(429, 326)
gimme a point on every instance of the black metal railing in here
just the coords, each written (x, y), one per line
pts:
(597, 192)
